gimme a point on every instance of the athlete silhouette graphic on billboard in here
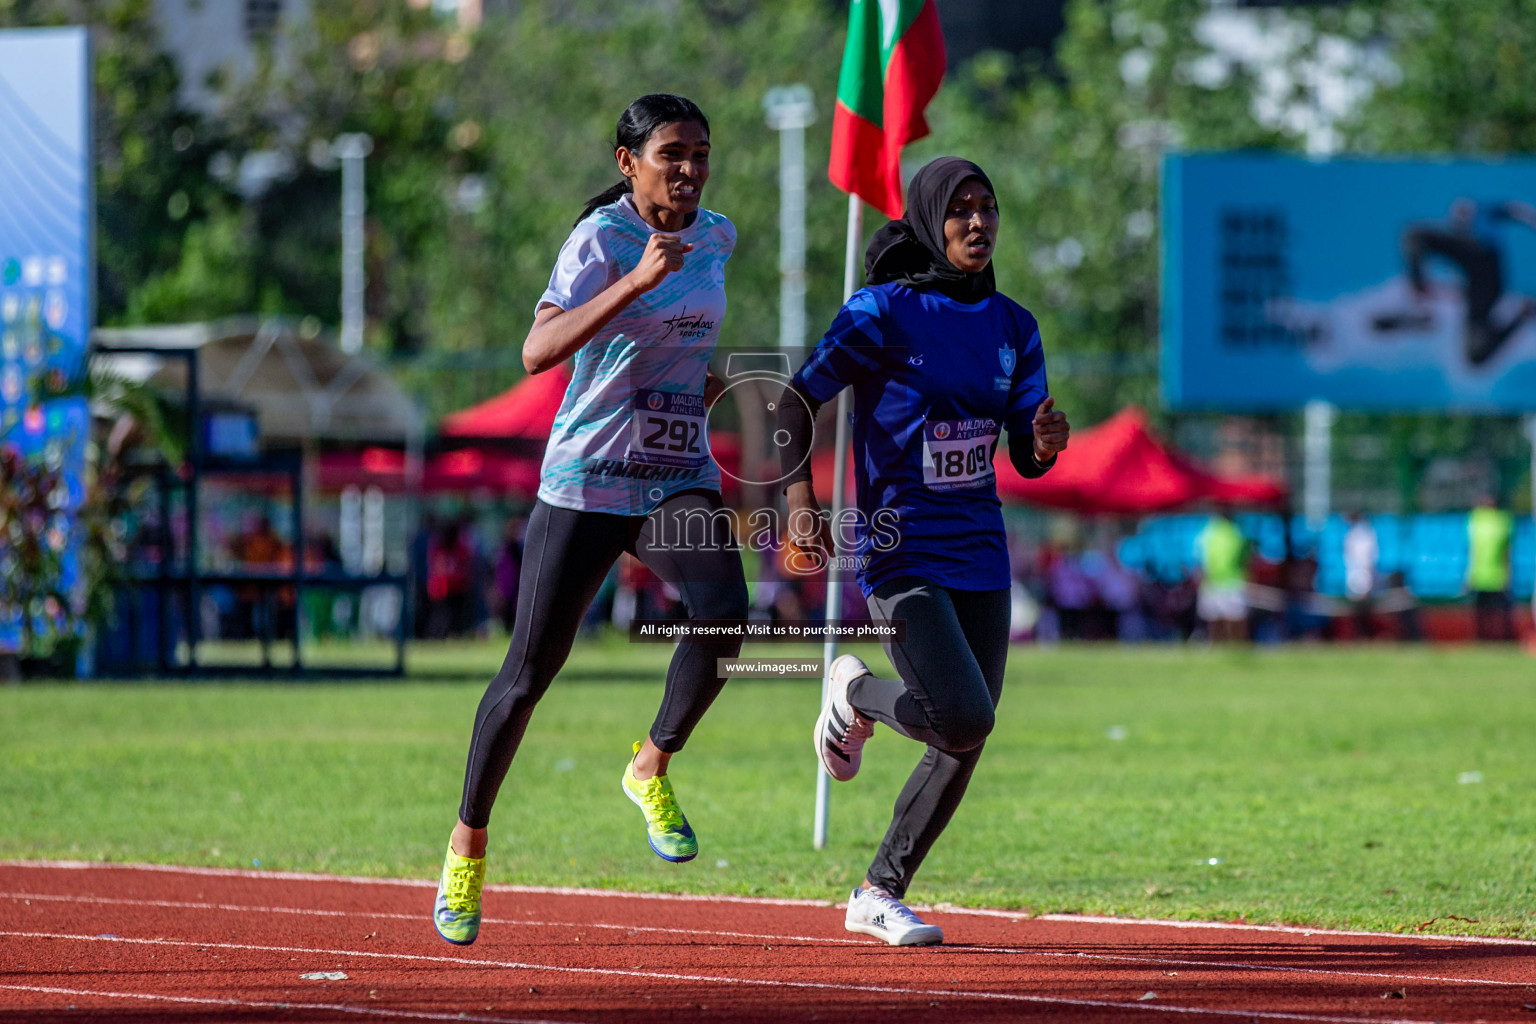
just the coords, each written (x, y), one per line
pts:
(1468, 238)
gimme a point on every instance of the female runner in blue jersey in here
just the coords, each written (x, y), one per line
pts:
(637, 296)
(940, 363)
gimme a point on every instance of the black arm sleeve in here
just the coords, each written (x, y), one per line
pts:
(797, 418)
(1023, 458)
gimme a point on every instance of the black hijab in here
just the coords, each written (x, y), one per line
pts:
(910, 251)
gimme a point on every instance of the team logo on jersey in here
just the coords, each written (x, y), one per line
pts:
(1007, 357)
(655, 400)
(940, 431)
(685, 326)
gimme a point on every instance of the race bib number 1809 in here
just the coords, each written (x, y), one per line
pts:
(957, 454)
(668, 429)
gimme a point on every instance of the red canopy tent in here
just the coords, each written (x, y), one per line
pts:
(467, 469)
(476, 469)
(361, 467)
(821, 477)
(1121, 466)
(498, 444)
(525, 411)
(1117, 466)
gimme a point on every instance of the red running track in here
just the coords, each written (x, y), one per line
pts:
(94, 942)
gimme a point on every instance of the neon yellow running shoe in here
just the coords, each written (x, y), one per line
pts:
(666, 828)
(456, 914)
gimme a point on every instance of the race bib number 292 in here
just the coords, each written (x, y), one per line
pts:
(668, 429)
(957, 454)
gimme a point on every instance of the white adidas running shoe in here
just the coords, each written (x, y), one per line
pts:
(876, 912)
(840, 730)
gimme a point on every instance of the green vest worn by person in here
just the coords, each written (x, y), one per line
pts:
(1221, 552)
(1488, 533)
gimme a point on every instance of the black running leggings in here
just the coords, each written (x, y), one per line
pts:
(687, 541)
(951, 662)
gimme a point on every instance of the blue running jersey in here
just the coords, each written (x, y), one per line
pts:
(935, 382)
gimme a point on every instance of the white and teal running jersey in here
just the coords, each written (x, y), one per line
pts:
(633, 429)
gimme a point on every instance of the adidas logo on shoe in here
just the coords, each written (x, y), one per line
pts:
(840, 730)
(874, 911)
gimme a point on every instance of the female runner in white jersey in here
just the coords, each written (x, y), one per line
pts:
(637, 296)
(940, 363)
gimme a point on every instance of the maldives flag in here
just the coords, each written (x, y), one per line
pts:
(892, 66)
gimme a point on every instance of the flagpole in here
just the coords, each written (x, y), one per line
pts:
(852, 263)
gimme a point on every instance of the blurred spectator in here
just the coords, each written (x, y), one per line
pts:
(644, 596)
(606, 604)
(258, 610)
(1361, 551)
(421, 603)
(259, 549)
(1119, 597)
(324, 609)
(810, 591)
(450, 582)
(1409, 625)
(509, 567)
(1266, 600)
(1171, 607)
(477, 609)
(773, 596)
(1036, 575)
(1489, 529)
(1223, 600)
(1071, 595)
(321, 555)
(1023, 613)
(1298, 576)
(1023, 608)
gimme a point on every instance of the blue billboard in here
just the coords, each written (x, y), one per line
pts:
(1370, 283)
(47, 265)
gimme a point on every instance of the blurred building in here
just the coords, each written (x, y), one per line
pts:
(971, 26)
(213, 41)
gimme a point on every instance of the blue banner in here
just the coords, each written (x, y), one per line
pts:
(1373, 284)
(47, 264)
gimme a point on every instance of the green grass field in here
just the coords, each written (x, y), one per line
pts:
(1372, 788)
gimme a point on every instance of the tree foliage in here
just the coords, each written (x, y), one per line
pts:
(1466, 81)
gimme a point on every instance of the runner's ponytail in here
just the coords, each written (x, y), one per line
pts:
(611, 195)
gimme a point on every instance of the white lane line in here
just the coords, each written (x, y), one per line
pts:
(259, 1004)
(1263, 968)
(309, 876)
(422, 917)
(1013, 997)
(763, 936)
(1288, 929)
(942, 908)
